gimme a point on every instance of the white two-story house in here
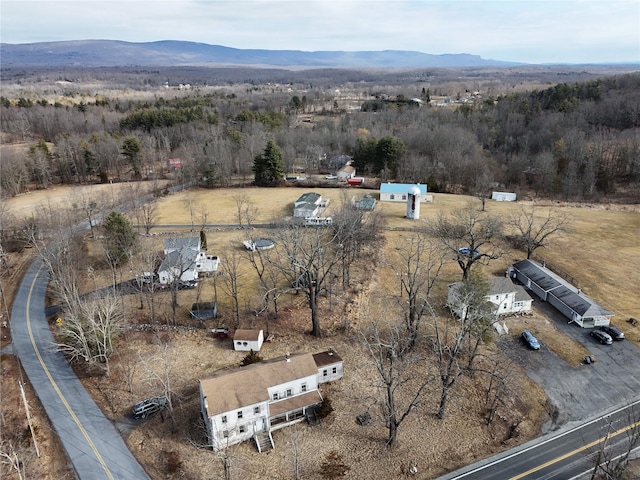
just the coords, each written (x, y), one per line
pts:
(184, 260)
(252, 401)
(508, 297)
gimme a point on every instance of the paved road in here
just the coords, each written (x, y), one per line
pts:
(93, 445)
(566, 454)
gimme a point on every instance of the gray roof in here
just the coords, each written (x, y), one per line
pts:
(183, 261)
(562, 290)
(182, 243)
(308, 198)
(498, 285)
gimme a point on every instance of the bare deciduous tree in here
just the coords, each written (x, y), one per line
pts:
(613, 463)
(88, 331)
(309, 256)
(471, 235)
(532, 231)
(159, 373)
(90, 206)
(232, 280)
(271, 279)
(456, 340)
(148, 215)
(418, 267)
(396, 366)
(245, 210)
(354, 230)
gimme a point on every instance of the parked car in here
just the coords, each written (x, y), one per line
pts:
(220, 332)
(466, 251)
(531, 341)
(149, 407)
(613, 332)
(602, 337)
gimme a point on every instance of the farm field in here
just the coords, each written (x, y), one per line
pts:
(601, 252)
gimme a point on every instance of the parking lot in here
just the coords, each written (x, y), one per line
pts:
(583, 390)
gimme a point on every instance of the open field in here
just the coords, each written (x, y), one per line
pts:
(601, 252)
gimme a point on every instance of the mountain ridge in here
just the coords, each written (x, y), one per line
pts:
(116, 53)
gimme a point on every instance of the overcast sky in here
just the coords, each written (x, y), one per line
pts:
(534, 31)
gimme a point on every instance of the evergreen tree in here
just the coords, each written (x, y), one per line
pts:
(131, 149)
(120, 239)
(389, 151)
(203, 240)
(268, 167)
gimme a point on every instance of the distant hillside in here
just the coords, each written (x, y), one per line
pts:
(113, 53)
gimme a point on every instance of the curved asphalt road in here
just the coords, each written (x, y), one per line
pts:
(93, 445)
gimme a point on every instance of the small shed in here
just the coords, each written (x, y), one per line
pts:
(503, 196)
(366, 203)
(204, 310)
(246, 340)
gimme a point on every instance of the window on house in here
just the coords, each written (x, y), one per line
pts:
(303, 387)
(225, 434)
(392, 197)
(240, 414)
(289, 392)
(335, 370)
(242, 429)
(404, 197)
(275, 396)
(256, 409)
(224, 419)
(244, 343)
(324, 373)
(504, 306)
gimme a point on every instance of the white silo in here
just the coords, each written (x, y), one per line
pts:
(413, 203)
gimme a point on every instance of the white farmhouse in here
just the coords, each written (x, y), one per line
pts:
(184, 260)
(507, 297)
(253, 401)
(309, 204)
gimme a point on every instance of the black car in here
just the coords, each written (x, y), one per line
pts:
(602, 337)
(613, 332)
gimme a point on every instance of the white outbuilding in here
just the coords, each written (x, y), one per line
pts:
(503, 196)
(246, 340)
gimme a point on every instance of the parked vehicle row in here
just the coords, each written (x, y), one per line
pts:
(605, 335)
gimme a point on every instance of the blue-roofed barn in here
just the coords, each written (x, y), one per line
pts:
(398, 192)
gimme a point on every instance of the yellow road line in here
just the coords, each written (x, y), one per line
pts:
(577, 450)
(55, 386)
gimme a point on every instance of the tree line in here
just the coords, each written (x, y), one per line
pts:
(571, 141)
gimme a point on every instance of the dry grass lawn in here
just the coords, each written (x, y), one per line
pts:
(601, 251)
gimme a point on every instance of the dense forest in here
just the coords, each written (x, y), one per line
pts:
(570, 140)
